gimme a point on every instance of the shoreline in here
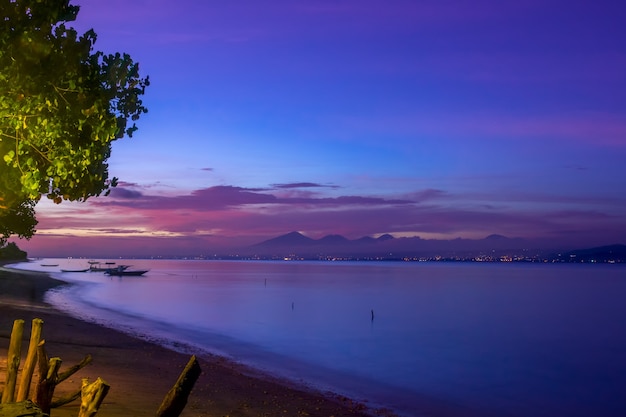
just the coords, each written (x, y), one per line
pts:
(141, 373)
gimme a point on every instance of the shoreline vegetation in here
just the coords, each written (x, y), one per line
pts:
(141, 373)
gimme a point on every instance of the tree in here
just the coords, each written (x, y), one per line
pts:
(12, 252)
(61, 106)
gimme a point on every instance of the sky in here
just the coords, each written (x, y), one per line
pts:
(441, 119)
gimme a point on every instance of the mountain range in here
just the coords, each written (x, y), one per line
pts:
(297, 244)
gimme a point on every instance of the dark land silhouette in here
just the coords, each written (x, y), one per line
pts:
(295, 245)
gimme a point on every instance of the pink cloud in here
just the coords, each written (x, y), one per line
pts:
(240, 227)
(302, 185)
(253, 215)
(222, 197)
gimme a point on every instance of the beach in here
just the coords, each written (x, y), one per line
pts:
(141, 373)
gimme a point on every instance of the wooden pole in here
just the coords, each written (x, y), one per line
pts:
(92, 396)
(176, 399)
(49, 378)
(48, 374)
(31, 359)
(13, 361)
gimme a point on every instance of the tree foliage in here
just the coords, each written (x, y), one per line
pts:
(12, 252)
(61, 106)
(18, 217)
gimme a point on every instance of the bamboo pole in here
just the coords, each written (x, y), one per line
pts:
(31, 359)
(176, 399)
(13, 361)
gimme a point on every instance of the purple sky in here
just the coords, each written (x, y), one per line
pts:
(438, 119)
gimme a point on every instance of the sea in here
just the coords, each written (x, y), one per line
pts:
(416, 338)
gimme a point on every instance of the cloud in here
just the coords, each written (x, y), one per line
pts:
(255, 214)
(125, 193)
(225, 197)
(136, 232)
(426, 195)
(302, 185)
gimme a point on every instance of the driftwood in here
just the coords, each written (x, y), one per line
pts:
(21, 409)
(63, 376)
(49, 378)
(92, 396)
(13, 361)
(73, 369)
(176, 399)
(48, 370)
(65, 400)
(31, 358)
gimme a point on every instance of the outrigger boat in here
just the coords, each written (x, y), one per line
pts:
(95, 267)
(122, 271)
(74, 270)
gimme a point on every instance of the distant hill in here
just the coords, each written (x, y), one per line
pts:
(385, 237)
(11, 252)
(333, 240)
(293, 239)
(610, 253)
(496, 237)
(386, 245)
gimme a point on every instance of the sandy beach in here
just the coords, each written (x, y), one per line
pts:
(141, 373)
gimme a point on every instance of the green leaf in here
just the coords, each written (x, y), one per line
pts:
(8, 158)
(61, 105)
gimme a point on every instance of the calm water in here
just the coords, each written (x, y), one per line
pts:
(508, 339)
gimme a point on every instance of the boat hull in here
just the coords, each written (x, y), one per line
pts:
(126, 273)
